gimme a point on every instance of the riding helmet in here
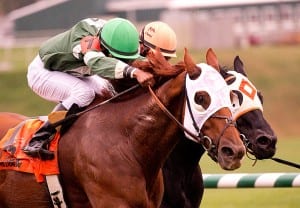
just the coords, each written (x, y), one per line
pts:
(161, 35)
(120, 37)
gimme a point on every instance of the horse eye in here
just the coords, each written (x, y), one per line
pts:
(236, 100)
(238, 97)
(199, 99)
(202, 100)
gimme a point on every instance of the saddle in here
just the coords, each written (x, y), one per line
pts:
(12, 156)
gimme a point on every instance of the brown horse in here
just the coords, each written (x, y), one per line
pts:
(182, 174)
(9, 120)
(112, 155)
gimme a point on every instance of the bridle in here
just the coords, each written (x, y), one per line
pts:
(206, 141)
(213, 150)
(247, 144)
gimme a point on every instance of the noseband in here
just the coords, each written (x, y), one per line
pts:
(206, 141)
(247, 144)
(212, 149)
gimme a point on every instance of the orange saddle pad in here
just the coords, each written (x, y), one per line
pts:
(13, 158)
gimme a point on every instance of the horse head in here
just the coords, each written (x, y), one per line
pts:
(182, 174)
(247, 108)
(208, 105)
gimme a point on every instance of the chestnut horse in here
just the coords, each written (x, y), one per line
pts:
(112, 155)
(9, 120)
(182, 174)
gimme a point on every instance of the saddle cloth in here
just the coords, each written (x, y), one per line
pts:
(12, 156)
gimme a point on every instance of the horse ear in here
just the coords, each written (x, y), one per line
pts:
(192, 69)
(160, 65)
(239, 66)
(212, 60)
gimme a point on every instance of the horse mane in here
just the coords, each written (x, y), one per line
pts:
(158, 65)
(155, 64)
(225, 68)
(225, 75)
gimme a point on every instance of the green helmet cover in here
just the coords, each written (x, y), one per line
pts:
(120, 37)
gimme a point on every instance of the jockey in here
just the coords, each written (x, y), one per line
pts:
(72, 67)
(161, 35)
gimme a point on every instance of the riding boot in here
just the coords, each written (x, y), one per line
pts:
(38, 145)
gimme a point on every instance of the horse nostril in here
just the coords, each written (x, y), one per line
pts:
(264, 141)
(227, 151)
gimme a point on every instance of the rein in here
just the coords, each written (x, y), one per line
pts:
(163, 108)
(76, 115)
(278, 160)
(210, 147)
(285, 162)
(167, 112)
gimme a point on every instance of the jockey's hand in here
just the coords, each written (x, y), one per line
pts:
(144, 78)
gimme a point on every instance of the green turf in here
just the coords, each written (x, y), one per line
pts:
(252, 198)
(259, 197)
(15, 95)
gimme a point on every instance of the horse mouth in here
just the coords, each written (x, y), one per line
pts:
(231, 165)
(264, 147)
(230, 159)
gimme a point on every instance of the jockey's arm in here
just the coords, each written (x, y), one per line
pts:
(112, 68)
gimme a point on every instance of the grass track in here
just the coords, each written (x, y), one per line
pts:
(256, 197)
(252, 198)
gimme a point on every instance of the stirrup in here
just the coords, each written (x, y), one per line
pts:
(35, 149)
(39, 152)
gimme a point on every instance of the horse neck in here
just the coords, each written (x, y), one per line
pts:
(188, 151)
(154, 134)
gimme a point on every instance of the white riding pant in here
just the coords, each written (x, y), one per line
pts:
(62, 87)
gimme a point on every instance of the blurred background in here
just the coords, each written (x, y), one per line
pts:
(264, 33)
(198, 23)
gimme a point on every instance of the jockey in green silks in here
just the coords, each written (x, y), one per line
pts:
(74, 66)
